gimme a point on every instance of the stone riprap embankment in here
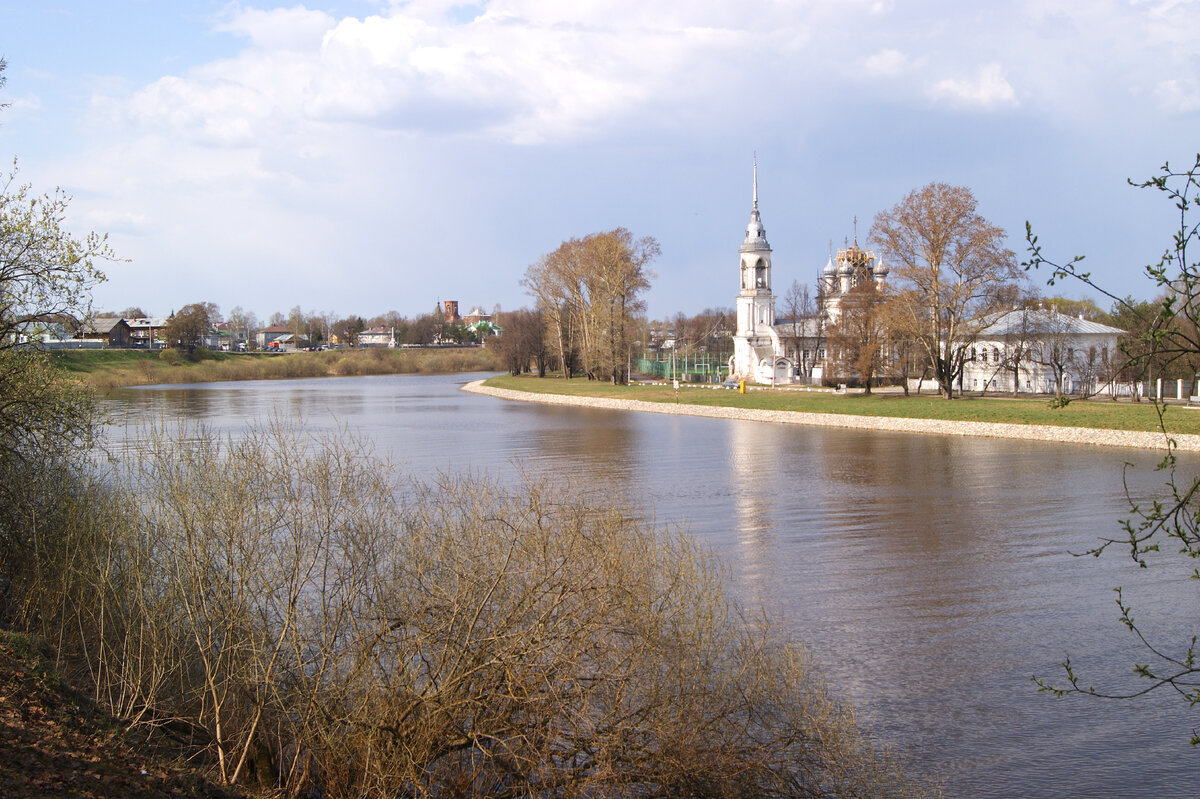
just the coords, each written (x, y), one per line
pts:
(1067, 435)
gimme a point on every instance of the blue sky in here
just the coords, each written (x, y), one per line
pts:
(359, 157)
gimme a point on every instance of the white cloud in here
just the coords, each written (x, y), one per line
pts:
(988, 89)
(27, 103)
(1178, 96)
(511, 70)
(114, 221)
(325, 141)
(279, 28)
(887, 62)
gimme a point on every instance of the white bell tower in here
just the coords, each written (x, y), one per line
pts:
(755, 302)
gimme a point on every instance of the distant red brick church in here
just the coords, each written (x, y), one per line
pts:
(474, 317)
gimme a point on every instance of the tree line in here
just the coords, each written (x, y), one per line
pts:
(188, 326)
(951, 276)
(588, 293)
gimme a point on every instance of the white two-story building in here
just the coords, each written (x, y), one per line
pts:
(1042, 351)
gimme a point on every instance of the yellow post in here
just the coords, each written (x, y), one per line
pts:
(741, 386)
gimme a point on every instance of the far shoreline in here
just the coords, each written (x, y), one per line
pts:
(1063, 435)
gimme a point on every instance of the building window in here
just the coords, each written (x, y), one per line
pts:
(995, 355)
(983, 354)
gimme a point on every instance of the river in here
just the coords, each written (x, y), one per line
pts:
(930, 575)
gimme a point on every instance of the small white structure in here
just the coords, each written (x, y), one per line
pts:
(1041, 351)
(377, 337)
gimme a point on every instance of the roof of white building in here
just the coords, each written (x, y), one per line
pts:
(1040, 321)
(146, 322)
(804, 328)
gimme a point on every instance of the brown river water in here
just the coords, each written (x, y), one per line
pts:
(931, 576)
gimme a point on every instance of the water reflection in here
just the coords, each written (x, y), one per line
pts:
(931, 575)
(754, 476)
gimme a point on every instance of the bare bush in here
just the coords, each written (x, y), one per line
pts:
(279, 603)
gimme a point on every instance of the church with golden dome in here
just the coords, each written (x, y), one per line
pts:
(768, 353)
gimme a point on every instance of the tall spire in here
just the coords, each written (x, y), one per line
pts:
(756, 237)
(755, 180)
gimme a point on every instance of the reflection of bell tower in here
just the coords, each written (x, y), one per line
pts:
(755, 302)
(754, 494)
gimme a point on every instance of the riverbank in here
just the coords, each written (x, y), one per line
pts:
(1139, 439)
(117, 368)
(55, 741)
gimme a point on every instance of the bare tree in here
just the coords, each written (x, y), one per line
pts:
(429, 328)
(522, 345)
(242, 323)
(1072, 367)
(858, 340)
(1020, 349)
(949, 268)
(805, 314)
(589, 291)
(347, 330)
(617, 278)
(187, 327)
(553, 283)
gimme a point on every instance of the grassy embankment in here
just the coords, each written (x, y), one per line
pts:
(1101, 414)
(113, 368)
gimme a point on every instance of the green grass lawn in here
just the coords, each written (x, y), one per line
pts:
(1100, 413)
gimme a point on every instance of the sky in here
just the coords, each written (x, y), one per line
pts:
(356, 157)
